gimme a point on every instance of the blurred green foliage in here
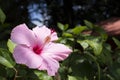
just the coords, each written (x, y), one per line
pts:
(92, 57)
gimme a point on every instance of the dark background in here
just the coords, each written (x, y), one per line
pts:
(72, 12)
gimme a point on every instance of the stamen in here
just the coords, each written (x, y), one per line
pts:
(47, 39)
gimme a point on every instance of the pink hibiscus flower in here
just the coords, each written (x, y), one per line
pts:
(35, 48)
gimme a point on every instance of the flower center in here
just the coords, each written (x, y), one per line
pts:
(37, 49)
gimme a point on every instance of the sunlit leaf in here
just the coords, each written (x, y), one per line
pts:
(78, 29)
(11, 45)
(5, 62)
(93, 43)
(2, 16)
(72, 78)
(42, 75)
(83, 44)
(65, 34)
(97, 47)
(76, 78)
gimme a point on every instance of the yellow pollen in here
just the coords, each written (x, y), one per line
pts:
(47, 39)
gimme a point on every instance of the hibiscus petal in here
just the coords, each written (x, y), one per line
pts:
(24, 55)
(50, 65)
(22, 35)
(56, 51)
(43, 32)
(54, 36)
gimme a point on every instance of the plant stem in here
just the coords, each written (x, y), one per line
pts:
(16, 72)
(110, 77)
(98, 66)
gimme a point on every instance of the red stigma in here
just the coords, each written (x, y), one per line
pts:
(52, 31)
(37, 49)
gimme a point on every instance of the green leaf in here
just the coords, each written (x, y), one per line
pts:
(78, 29)
(72, 78)
(5, 55)
(105, 57)
(97, 47)
(42, 75)
(117, 42)
(89, 24)
(80, 67)
(2, 16)
(11, 45)
(5, 62)
(104, 36)
(65, 34)
(60, 26)
(94, 43)
(66, 26)
(83, 44)
(76, 78)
